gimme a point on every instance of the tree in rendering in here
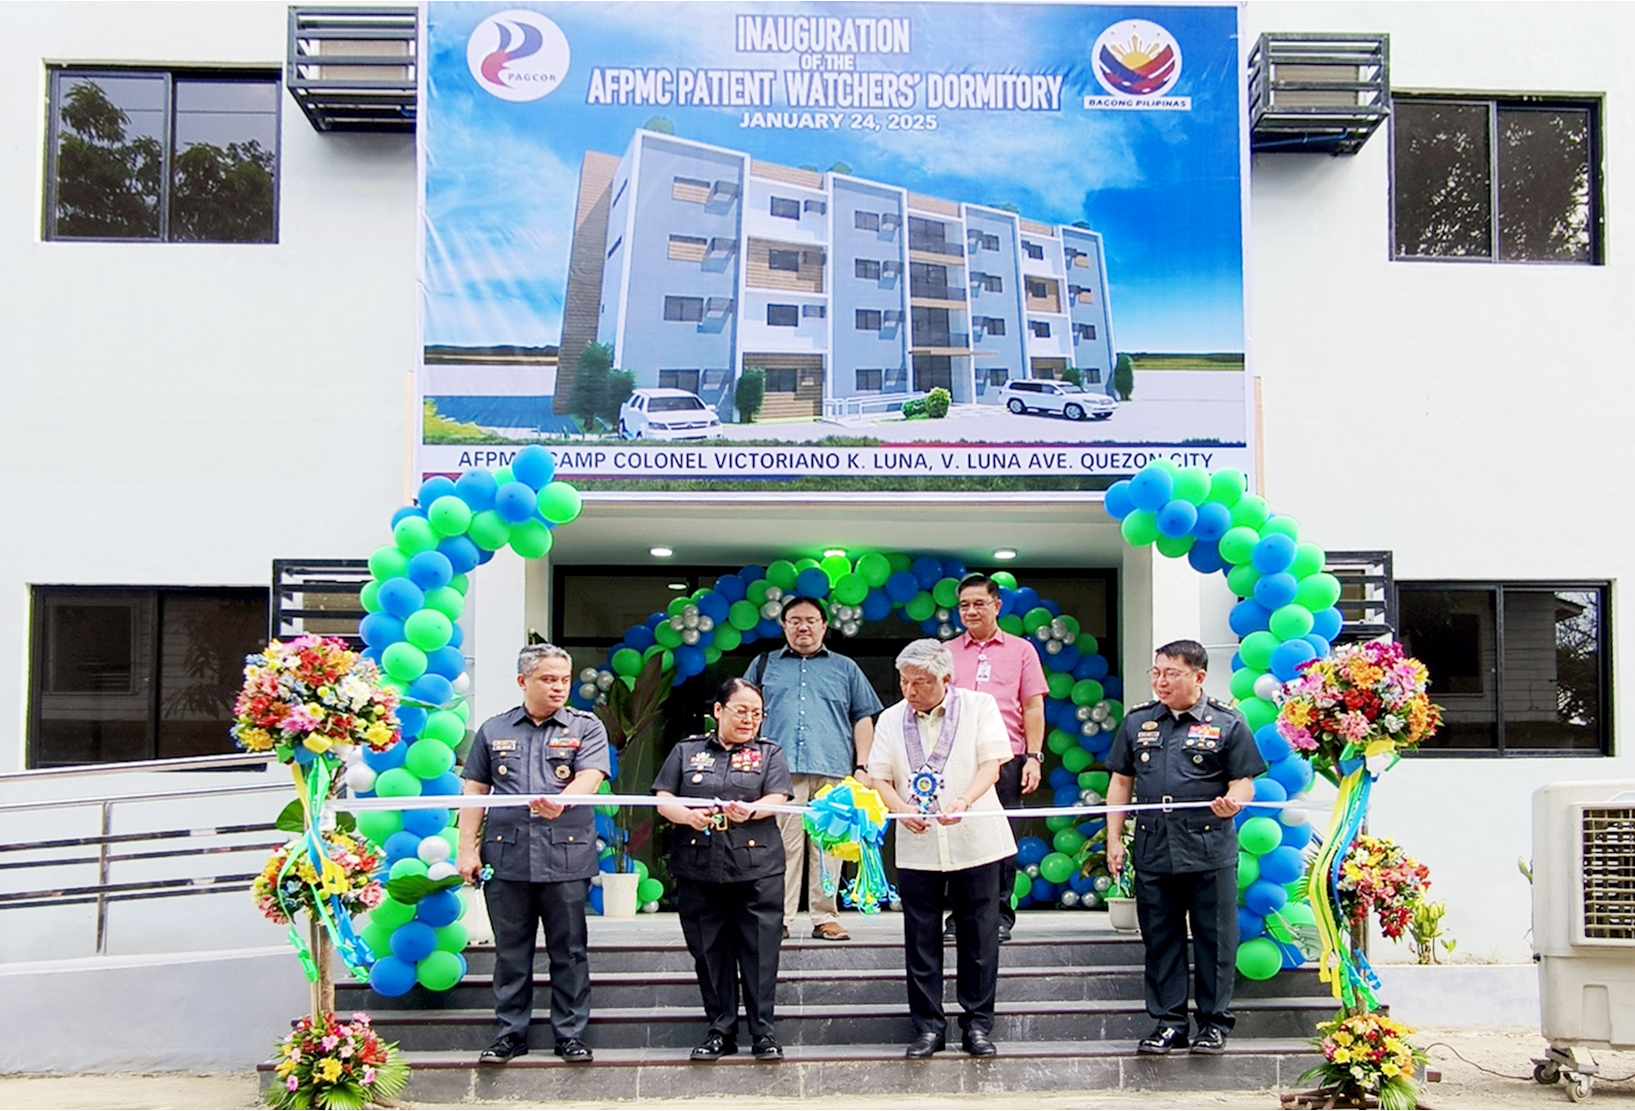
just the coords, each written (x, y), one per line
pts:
(749, 393)
(1123, 378)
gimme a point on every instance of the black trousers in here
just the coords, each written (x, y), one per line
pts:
(515, 910)
(1009, 789)
(969, 894)
(1164, 904)
(734, 932)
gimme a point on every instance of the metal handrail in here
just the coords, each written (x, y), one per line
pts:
(174, 764)
(149, 796)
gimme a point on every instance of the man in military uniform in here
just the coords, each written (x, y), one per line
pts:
(542, 856)
(1184, 747)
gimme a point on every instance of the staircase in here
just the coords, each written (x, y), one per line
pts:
(1069, 1013)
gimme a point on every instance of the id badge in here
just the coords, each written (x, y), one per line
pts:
(984, 670)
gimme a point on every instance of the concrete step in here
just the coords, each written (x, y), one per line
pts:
(469, 1030)
(848, 1071)
(810, 986)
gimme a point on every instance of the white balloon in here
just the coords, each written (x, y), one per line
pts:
(433, 850)
(690, 636)
(441, 871)
(705, 622)
(1293, 817)
(588, 675)
(463, 683)
(604, 680)
(1267, 687)
(360, 777)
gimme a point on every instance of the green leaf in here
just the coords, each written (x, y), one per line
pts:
(293, 818)
(1398, 1094)
(345, 1097)
(411, 889)
(345, 822)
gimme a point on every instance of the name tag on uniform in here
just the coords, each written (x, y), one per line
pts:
(984, 669)
(563, 742)
(1204, 732)
(501, 746)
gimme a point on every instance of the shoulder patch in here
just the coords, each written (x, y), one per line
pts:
(1143, 706)
(1219, 705)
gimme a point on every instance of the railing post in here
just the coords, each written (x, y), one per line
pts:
(106, 809)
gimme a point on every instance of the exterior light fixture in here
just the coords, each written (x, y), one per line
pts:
(660, 553)
(1004, 553)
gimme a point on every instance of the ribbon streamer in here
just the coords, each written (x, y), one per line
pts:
(313, 791)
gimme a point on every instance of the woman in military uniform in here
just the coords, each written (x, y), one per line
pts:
(727, 861)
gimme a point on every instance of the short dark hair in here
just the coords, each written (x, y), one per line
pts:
(794, 600)
(977, 578)
(1189, 652)
(733, 686)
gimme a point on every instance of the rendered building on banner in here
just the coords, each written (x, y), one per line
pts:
(696, 262)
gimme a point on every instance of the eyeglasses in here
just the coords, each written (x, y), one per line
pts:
(745, 713)
(1170, 673)
(803, 622)
(977, 603)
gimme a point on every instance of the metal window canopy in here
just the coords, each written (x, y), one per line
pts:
(1325, 93)
(354, 69)
(1370, 612)
(318, 596)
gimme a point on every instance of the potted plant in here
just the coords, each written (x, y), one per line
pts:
(1121, 896)
(632, 715)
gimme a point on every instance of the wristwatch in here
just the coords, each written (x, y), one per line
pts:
(861, 768)
(1034, 756)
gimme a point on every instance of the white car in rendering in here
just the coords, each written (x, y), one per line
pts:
(1046, 396)
(664, 414)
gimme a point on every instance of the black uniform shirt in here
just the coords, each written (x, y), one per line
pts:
(704, 768)
(513, 756)
(1184, 756)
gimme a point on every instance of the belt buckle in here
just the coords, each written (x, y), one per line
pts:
(718, 820)
(1166, 800)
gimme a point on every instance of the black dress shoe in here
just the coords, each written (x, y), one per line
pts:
(924, 1045)
(505, 1047)
(574, 1051)
(714, 1047)
(948, 931)
(1167, 1036)
(1211, 1039)
(1004, 933)
(767, 1048)
(978, 1044)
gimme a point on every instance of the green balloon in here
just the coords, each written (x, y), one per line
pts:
(1250, 511)
(1248, 870)
(1024, 884)
(388, 563)
(1058, 822)
(429, 759)
(1291, 621)
(1035, 619)
(1238, 545)
(836, 568)
(378, 825)
(559, 502)
(1060, 740)
(440, 971)
(1259, 959)
(462, 709)
(447, 601)
(1243, 682)
(408, 866)
(1227, 487)
(414, 535)
(369, 597)
(443, 727)
(1115, 708)
(1257, 712)
(1071, 624)
(727, 637)
(1256, 650)
(946, 593)
(1097, 782)
(667, 635)
(489, 531)
(756, 593)
(900, 561)
(1012, 624)
(453, 937)
(397, 783)
(1056, 867)
(781, 574)
(850, 590)
(1308, 560)
(1174, 546)
(530, 539)
(875, 569)
(449, 515)
(428, 630)
(378, 936)
(1281, 525)
(640, 868)
(1060, 684)
(1168, 466)
(921, 606)
(712, 655)
(1087, 692)
(1286, 922)
(1088, 645)
(667, 662)
(1076, 760)
(1260, 836)
(1068, 841)
(1191, 485)
(1004, 580)
(627, 661)
(1140, 528)
(744, 616)
(391, 914)
(403, 661)
(804, 564)
(462, 583)
(1317, 592)
(503, 475)
(649, 891)
(1242, 580)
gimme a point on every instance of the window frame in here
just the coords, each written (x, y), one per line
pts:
(773, 253)
(697, 380)
(773, 201)
(1497, 587)
(794, 312)
(54, 76)
(860, 267)
(1593, 103)
(780, 371)
(681, 301)
(861, 314)
(860, 218)
(879, 379)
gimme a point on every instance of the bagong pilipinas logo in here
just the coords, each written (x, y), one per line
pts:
(1137, 59)
(518, 55)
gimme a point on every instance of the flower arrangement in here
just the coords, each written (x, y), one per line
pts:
(1378, 876)
(311, 695)
(329, 1061)
(1362, 695)
(291, 881)
(1367, 1056)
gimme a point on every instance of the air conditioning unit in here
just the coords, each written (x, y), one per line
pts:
(1584, 924)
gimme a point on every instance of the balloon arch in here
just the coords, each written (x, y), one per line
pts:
(416, 597)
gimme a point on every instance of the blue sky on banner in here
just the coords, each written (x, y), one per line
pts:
(1162, 187)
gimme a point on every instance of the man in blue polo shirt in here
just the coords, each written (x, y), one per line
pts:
(820, 709)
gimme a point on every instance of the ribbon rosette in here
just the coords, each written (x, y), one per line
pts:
(848, 821)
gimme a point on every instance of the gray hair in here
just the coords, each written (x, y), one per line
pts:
(928, 655)
(535, 654)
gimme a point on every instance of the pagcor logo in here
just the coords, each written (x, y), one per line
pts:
(1137, 59)
(518, 55)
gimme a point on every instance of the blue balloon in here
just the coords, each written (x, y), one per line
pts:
(1321, 647)
(413, 942)
(1264, 897)
(604, 827)
(1050, 607)
(1266, 790)
(1293, 773)
(1067, 796)
(1296, 837)
(927, 570)
(1272, 744)
(640, 637)
(407, 512)
(689, 660)
(1250, 925)
(1113, 685)
(714, 606)
(1026, 598)
(1059, 777)
(609, 864)
(1093, 667)
(411, 720)
(732, 588)
(1176, 519)
(386, 761)
(902, 586)
(750, 574)
(446, 661)
(431, 570)
(444, 785)
(768, 628)
(1248, 616)
(1205, 556)
(371, 654)
(1288, 656)
(477, 489)
(930, 626)
(380, 629)
(433, 689)
(1276, 590)
(439, 909)
(1043, 890)
(458, 638)
(433, 488)
(461, 554)
(1081, 883)
(1065, 660)
(400, 598)
(1031, 850)
(812, 583)
(1328, 623)
(426, 823)
(392, 976)
(401, 844)
(1151, 489)
(1282, 865)
(534, 465)
(1274, 553)
(877, 606)
(1099, 745)
(1213, 521)
(594, 900)
(1117, 501)
(516, 502)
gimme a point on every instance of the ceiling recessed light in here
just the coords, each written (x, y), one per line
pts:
(830, 553)
(660, 553)
(678, 586)
(1004, 553)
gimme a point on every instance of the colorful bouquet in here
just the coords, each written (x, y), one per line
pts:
(1364, 695)
(1367, 1056)
(1378, 876)
(334, 1062)
(292, 881)
(312, 695)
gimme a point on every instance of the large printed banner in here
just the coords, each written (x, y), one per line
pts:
(833, 246)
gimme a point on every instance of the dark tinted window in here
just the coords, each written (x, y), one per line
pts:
(782, 316)
(789, 210)
(783, 260)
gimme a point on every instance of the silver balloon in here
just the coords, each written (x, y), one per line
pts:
(1083, 713)
(1090, 729)
(600, 845)
(601, 700)
(678, 623)
(942, 614)
(1102, 884)
(1098, 712)
(650, 908)
(774, 593)
(587, 690)
(1070, 637)
(1032, 870)
(588, 675)
(945, 630)
(1104, 706)
(604, 680)
(1053, 647)
(1267, 687)
(705, 622)
(1091, 797)
(1042, 633)
(1058, 628)
(690, 636)
(1070, 899)
(689, 620)
(770, 609)
(850, 628)
(1094, 902)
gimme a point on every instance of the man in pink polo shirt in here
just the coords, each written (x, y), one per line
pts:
(990, 660)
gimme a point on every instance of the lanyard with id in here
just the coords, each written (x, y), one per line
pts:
(984, 669)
